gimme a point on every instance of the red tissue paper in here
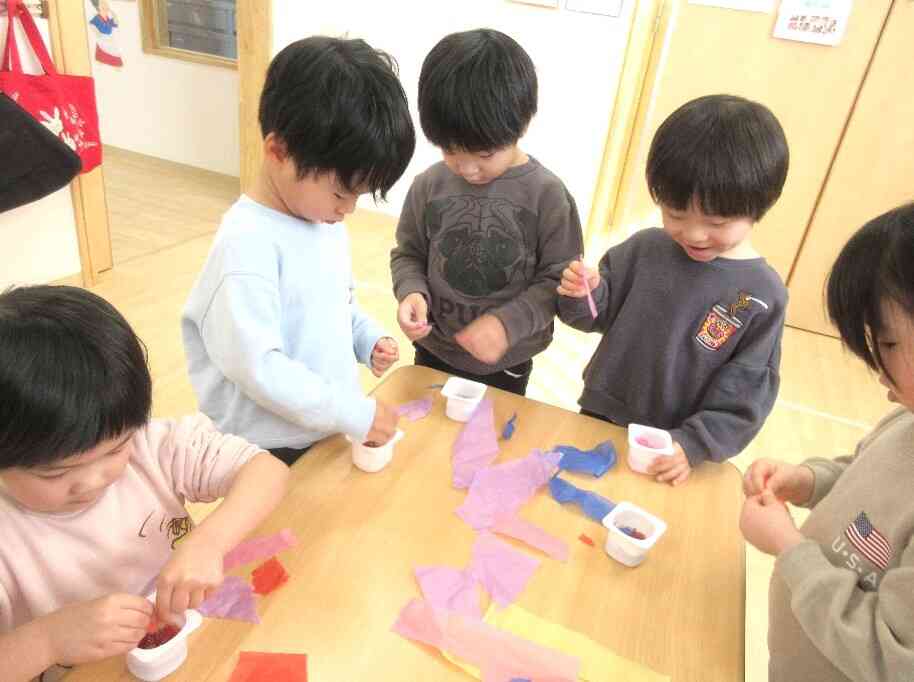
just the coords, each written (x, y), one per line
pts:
(268, 576)
(254, 666)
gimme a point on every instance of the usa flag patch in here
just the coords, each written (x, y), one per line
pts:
(869, 542)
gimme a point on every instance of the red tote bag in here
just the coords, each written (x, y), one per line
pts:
(64, 104)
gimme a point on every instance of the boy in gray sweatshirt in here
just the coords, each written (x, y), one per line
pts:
(485, 233)
(691, 315)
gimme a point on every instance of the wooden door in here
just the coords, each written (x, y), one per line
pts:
(872, 173)
(70, 50)
(255, 50)
(811, 89)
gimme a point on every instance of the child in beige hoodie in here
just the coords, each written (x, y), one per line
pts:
(842, 594)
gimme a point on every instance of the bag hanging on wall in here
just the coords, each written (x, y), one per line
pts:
(64, 104)
(35, 161)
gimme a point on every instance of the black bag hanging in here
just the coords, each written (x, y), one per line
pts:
(34, 162)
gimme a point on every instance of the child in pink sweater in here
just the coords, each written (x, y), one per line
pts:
(92, 492)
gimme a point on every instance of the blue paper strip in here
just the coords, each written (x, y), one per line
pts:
(596, 461)
(592, 504)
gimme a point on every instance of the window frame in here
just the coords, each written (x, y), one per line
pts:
(153, 17)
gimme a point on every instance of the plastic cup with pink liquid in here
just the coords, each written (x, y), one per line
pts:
(645, 444)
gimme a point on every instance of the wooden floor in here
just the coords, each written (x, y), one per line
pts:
(154, 204)
(163, 217)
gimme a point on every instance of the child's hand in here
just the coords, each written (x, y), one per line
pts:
(384, 354)
(788, 482)
(766, 523)
(484, 338)
(93, 630)
(673, 469)
(412, 316)
(573, 280)
(191, 575)
(384, 425)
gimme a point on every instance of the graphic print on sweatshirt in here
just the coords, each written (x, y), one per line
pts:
(722, 321)
(480, 244)
(861, 545)
(176, 528)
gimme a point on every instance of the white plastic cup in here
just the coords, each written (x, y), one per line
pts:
(463, 396)
(645, 444)
(625, 548)
(372, 459)
(151, 665)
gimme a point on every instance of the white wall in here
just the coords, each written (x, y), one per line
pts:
(578, 59)
(164, 107)
(37, 241)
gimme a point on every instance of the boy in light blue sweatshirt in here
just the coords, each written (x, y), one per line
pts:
(271, 330)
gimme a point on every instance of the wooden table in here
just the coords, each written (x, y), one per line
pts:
(682, 612)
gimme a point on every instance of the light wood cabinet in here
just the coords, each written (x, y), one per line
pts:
(873, 169)
(846, 110)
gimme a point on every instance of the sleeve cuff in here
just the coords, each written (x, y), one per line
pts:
(366, 344)
(695, 450)
(824, 480)
(797, 563)
(415, 285)
(574, 307)
(355, 415)
(516, 323)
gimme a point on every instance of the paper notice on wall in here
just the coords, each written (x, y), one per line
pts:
(609, 8)
(822, 22)
(746, 5)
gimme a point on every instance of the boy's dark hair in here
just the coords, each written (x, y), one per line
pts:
(875, 266)
(477, 91)
(338, 106)
(72, 374)
(727, 153)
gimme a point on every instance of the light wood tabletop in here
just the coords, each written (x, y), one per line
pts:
(681, 613)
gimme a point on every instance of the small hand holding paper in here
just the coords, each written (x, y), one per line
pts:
(766, 524)
(412, 316)
(484, 338)
(384, 354)
(92, 630)
(191, 575)
(788, 482)
(674, 469)
(576, 278)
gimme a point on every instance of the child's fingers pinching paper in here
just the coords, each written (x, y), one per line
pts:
(388, 345)
(758, 477)
(197, 597)
(572, 284)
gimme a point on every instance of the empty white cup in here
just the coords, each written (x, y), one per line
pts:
(151, 665)
(372, 459)
(625, 547)
(463, 397)
(645, 444)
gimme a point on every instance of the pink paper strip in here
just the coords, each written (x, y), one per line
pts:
(233, 600)
(502, 570)
(476, 445)
(258, 548)
(515, 527)
(492, 650)
(497, 567)
(415, 410)
(503, 489)
(590, 303)
(450, 588)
